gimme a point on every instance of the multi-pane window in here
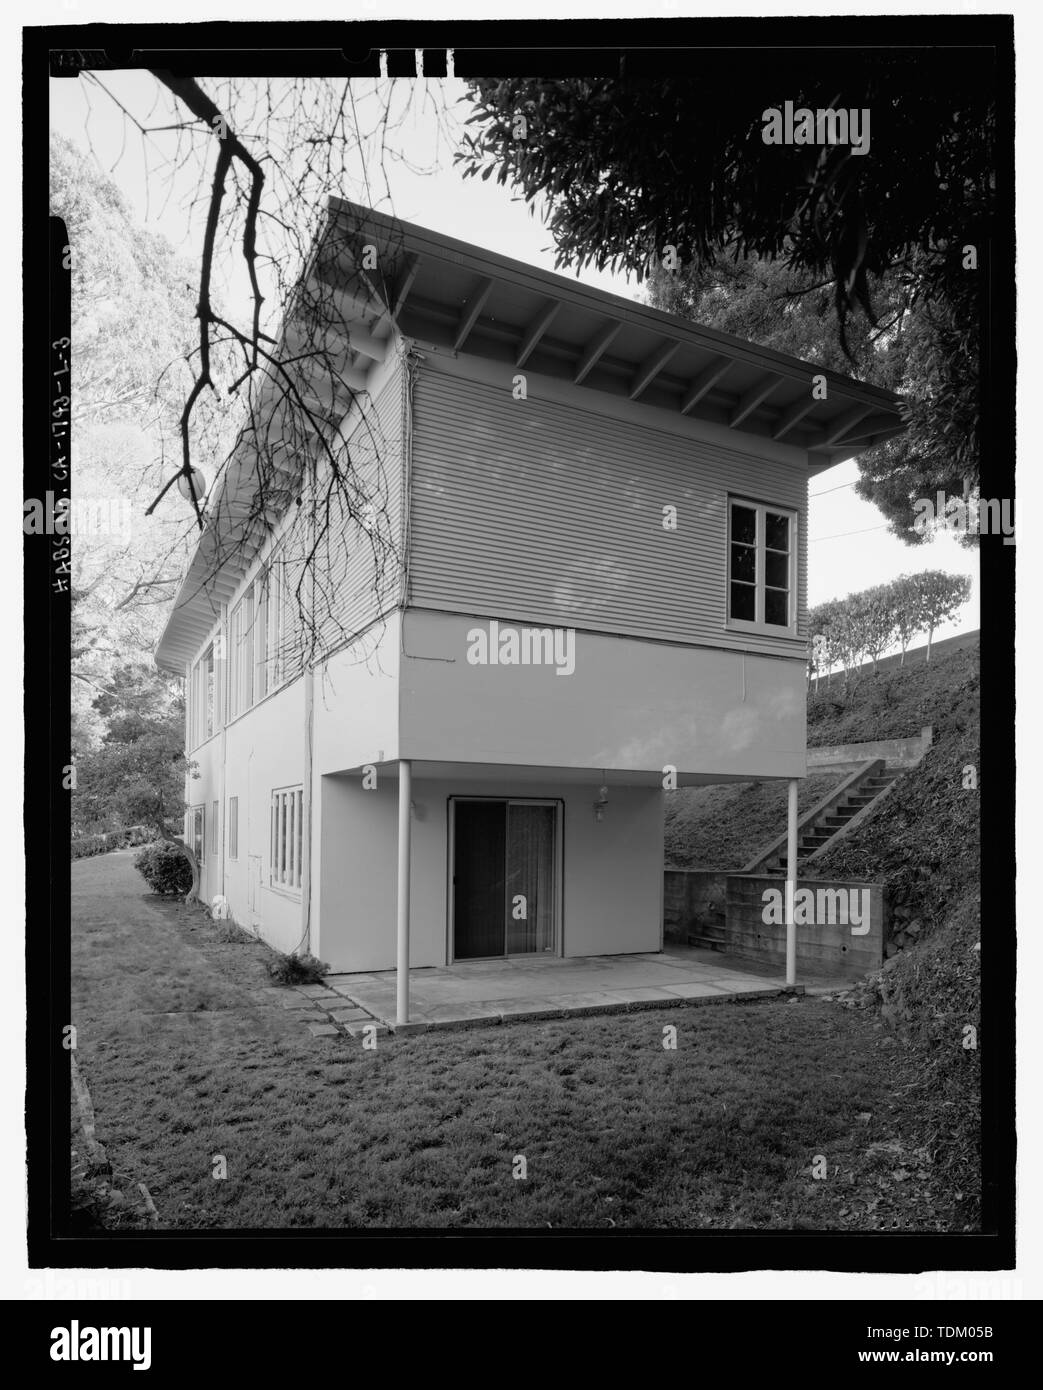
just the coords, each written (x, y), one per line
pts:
(246, 670)
(761, 566)
(210, 691)
(277, 631)
(203, 713)
(263, 635)
(197, 829)
(233, 827)
(232, 660)
(261, 683)
(287, 837)
(241, 655)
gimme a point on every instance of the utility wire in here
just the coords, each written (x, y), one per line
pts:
(840, 534)
(826, 490)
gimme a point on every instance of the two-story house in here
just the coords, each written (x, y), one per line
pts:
(434, 707)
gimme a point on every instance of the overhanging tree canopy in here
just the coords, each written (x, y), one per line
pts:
(628, 168)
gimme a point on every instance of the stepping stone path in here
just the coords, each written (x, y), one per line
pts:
(326, 1012)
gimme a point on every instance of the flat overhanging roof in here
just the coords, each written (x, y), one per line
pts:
(468, 299)
(372, 279)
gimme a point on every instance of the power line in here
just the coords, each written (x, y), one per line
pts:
(842, 534)
(833, 489)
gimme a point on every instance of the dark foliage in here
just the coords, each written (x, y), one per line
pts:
(165, 868)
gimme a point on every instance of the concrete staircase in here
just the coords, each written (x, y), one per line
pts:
(825, 827)
(869, 771)
(847, 803)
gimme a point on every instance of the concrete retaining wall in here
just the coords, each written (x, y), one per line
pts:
(846, 757)
(693, 901)
(857, 948)
(696, 900)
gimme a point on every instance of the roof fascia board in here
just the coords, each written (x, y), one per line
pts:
(489, 264)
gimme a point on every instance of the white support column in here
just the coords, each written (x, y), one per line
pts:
(405, 791)
(791, 883)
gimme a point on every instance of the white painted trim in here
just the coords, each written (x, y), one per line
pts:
(759, 627)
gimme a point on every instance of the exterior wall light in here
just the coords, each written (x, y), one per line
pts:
(196, 484)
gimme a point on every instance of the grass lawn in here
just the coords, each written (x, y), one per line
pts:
(184, 1062)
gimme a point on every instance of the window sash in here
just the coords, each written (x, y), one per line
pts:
(261, 630)
(764, 594)
(247, 649)
(261, 686)
(211, 691)
(287, 837)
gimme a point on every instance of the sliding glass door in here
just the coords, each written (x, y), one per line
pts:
(504, 877)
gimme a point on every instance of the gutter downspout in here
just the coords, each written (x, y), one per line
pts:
(309, 746)
(220, 714)
(309, 725)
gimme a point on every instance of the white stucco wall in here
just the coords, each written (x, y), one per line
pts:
(612, 881)
(264, 750)
(356, 701)
(629, 704)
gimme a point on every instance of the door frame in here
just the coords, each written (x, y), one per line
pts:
(559, 875)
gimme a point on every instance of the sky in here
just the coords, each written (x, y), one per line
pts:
(850, 547)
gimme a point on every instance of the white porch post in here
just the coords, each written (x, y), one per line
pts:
(791, 884)
(405, 789)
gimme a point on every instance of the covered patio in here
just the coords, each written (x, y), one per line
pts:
(472, 993)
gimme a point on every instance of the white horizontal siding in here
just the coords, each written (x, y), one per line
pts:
(537, 511)
(358, 570)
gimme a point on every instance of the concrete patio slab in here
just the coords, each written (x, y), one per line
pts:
(532, 1007)
(697, 989)
(473, 993)
(460, 1015)
(644, 995)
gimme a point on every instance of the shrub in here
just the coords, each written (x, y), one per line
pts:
(165, 868)
(87, 845)
(297, 970)
(230, 933)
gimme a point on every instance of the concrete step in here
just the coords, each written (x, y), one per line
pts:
(821, 831)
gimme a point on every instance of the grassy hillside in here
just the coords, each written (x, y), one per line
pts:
(923, 844)
(723, 827)
(897, 701)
